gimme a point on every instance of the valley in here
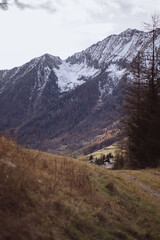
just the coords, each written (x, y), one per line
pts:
(80, 133)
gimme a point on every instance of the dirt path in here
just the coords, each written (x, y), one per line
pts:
(146, 188)
(153, 173)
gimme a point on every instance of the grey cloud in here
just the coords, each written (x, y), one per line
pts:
(22, 5)
(45, 5)
(104, 12)
(112, 9)
(125, 6)
(4, 5)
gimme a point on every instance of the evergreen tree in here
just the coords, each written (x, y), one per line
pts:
(142, 108)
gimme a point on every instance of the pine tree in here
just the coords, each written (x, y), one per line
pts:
(142, 108)
(134, 127)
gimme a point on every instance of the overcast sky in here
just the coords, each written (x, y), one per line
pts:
(63, 27)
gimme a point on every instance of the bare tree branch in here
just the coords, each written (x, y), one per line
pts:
(155, 23)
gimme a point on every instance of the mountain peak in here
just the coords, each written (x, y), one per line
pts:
(43, 98)
(131, 31)
(49, 56)
(55, 60)
(116, 47)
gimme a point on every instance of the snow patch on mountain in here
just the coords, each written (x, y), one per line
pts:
(4, 73)
(43, 78)
(102, 91)
(72, 75)
(110, 56)
(115, 48)
(115, 72)
(16, 72)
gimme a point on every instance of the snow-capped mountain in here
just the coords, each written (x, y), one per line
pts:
(112, 54)
(116, 48)
(57, 95)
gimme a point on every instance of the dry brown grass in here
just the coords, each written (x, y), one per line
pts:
(30, 181)
(43, 196)
(150, 177)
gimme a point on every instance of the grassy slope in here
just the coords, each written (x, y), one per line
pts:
(104, 151)
(48, 197)
(80, 149)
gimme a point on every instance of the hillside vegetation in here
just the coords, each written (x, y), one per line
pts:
(104, 151)
(43, 196)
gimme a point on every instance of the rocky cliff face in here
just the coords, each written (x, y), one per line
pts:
(52, 101)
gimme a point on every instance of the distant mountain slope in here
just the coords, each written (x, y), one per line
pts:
(52, 102)
(27, 90)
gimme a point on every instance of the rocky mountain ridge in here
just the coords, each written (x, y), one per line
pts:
(58, 101)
